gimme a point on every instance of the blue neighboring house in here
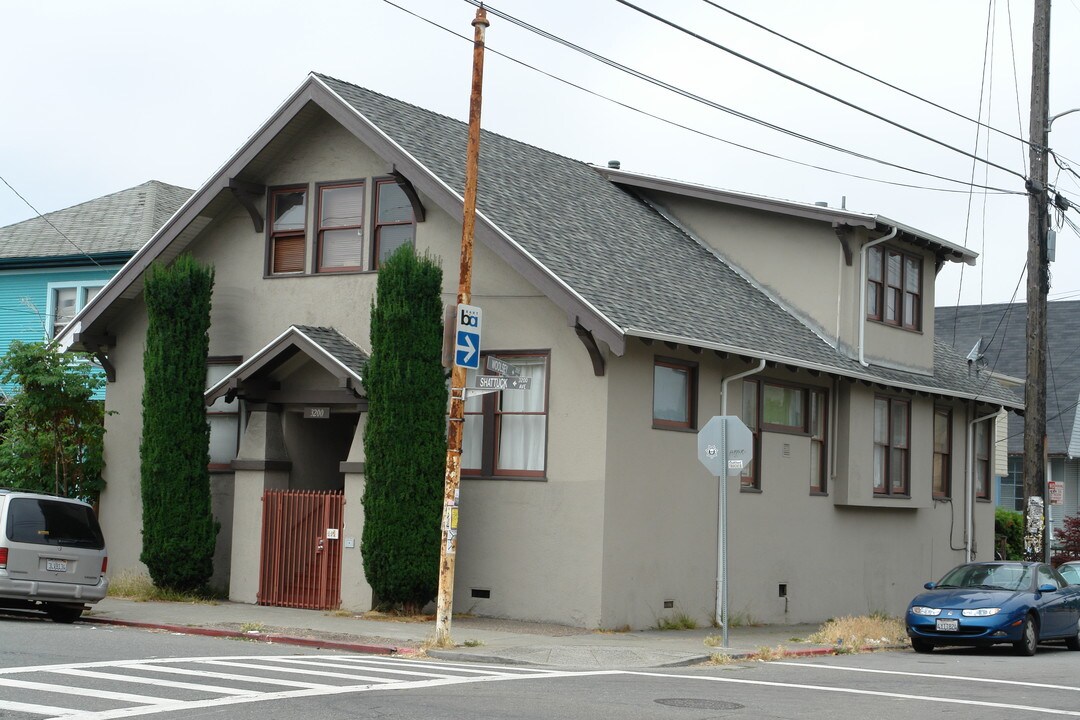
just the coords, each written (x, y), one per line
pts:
(51, 266)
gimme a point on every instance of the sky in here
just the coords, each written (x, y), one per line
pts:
(103, 96)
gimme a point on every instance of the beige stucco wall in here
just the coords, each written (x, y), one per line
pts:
(660, 518)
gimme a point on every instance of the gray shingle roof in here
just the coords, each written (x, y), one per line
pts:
(120, 222)
(1003, 327)
(636, 268)
(337, 346)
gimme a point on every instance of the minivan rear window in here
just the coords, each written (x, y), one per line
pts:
(52, 522)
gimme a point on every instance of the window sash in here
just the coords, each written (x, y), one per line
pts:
(341, 227)
(783, 408)
(894, 288)
(942, 478)
(673, 394)
(982, 460)
(505, 433)
(288, 231)
(395, 224)
(892, 463)
(818, 448)
(750, 478)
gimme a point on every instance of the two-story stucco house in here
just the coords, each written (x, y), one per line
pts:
(640, 308)
(51, 266)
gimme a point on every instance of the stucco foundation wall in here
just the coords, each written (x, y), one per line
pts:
(661, 520)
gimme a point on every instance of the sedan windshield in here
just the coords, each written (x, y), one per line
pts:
(988, 577)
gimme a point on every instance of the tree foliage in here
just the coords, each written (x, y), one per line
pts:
(53, 429)
(1068, 535)
(179, 531)
(1009, 533)
(405, 436)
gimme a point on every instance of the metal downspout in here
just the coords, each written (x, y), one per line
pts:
(969, 494)
(720, 616)
(862, 291)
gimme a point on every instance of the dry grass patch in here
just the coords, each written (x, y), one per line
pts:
(853, 633)
(136, 585)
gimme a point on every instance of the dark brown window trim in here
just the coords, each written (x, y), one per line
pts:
(882, 286)
(319, 229)
(272, 237)
(691, 368)
(947, 493)
(376, 184)
(750, 490)
(527, 478)
(888, 492)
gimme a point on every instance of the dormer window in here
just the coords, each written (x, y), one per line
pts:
(894, 288)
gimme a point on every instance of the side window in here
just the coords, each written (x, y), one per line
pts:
(942, 452)
(891, 430)
(66, 300)
(505, 432)
(894, 288)
(674, 394)
(288, 231)
(818, 434)
(982, 459)
(341, 227)
(394, 222)
(751, 475)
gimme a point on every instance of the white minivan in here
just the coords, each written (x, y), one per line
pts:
(52, 554)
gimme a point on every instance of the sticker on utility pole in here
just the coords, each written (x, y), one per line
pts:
(467, 337)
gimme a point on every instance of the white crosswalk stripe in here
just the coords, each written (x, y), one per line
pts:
(87, 687)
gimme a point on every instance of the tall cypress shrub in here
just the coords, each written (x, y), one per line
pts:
(405, 436)
(179, 530)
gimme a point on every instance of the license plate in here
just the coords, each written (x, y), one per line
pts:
(947, 625)
(53, 565)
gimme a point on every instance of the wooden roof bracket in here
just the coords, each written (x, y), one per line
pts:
(591, 346)
(843, 234)
(410, 192)
(247, 193)
(106, 365)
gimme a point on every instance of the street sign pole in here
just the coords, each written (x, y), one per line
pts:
(452, 480)
(725, 447)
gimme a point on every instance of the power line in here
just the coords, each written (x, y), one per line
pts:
(813, 88)
(38, 212)
(867, 75)
(682, 126)
(705, 101)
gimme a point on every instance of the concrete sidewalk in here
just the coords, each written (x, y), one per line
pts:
(477, 639)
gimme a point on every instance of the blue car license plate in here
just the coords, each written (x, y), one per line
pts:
(947, 625)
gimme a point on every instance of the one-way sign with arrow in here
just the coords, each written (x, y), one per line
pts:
(467, 334)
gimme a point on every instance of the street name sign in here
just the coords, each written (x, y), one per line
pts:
(502, 367)
(498, 382)
(467, 337)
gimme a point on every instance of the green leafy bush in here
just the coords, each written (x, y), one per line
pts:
(1009, 533)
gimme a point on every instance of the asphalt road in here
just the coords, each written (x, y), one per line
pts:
(100, 672)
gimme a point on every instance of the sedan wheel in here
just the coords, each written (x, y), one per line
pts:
(1073, 643)
(1029, 638)
(921, 646)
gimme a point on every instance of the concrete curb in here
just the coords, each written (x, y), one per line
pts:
(271, 638)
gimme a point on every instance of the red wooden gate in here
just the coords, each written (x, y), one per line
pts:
(301, 565)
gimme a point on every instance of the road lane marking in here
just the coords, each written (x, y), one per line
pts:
(475, 668)
(967, 678)
(296, 671)
(159, 682)
(388, 670)
(52, 688)
(236, 676)
(37, 709)
(855, 691)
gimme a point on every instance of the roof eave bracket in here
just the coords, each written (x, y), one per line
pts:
(410, 192)
(843, 234)
(247, 193)
(592, 347)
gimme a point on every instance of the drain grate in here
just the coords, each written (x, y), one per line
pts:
(699, 704)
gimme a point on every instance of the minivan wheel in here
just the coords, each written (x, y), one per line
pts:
(1029, 638)
(63, 613)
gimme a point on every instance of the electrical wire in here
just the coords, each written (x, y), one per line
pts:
(688, 128)
(697, 98)
(1016, 88)
(867, 75)
(49, 222)
(812, 88)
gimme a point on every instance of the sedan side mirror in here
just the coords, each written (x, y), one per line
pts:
(930, 585)
(1047, 587)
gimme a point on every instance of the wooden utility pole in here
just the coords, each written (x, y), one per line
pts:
(448, 552)
(1036, 505)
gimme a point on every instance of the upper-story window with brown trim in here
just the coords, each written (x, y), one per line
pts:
(341, 227)
(894, 288)
(942, 452)
(288, 230)
(674, 394)
(892, 428)
(505, 432)
(394, 222)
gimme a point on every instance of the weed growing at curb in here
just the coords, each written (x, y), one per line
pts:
(473, 643)
(252, 628)
(847, 634)
(678, 621)
(137, 586)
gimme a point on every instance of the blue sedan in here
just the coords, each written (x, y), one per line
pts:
(986, 603)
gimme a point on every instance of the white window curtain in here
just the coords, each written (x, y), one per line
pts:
(472, 440)
(522, 437)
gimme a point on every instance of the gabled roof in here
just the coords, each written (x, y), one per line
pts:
(821, 212)
(1003, 329)
(110, 228)
(614, 264)
(337, 354)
